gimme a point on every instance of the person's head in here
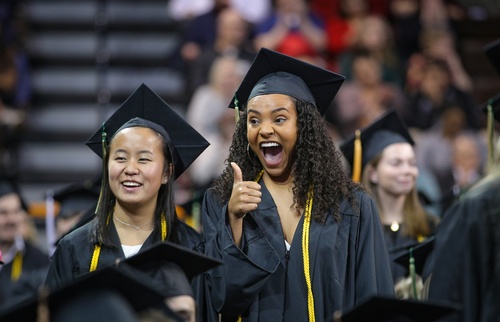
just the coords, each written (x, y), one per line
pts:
(367, 70)
(226, 72)
(232, 29)
(171, 268)
(375, 34)
(141, 160)
(11, 212)
(281, 129)
(393, 171)
(75, 202)
(385, 163)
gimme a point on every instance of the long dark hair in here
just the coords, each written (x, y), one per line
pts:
(164, 204)
(317, 163)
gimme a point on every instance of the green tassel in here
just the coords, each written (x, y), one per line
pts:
(413, 274)
(104, 171)
(490, 134)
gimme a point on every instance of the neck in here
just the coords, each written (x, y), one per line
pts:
(391, 207)
(5, 246)
(135, 216)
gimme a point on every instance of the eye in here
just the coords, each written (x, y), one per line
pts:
(280, 119)
(120, 159)
(143, 160)
(253, 121)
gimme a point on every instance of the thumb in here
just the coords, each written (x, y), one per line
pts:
(238, 176)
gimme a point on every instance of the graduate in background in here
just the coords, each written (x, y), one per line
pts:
(145, 146)
(466, 260)
(298, 238)
(389, 171)
(22, 259)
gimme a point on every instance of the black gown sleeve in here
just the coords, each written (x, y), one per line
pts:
(245, 271)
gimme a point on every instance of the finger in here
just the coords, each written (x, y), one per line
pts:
(238, 176)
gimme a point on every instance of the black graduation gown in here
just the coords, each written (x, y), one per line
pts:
(34, 260)
(74, 252)
(466, 258)
(396, 242)
(263, 282)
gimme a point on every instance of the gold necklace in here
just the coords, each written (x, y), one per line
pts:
(133, 226)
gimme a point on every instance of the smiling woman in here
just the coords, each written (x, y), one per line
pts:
(298, 238)
(144, 146)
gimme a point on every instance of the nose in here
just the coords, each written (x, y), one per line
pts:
(131, 169)
(266, 129)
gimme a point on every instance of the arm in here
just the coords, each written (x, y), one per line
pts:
(233, 286)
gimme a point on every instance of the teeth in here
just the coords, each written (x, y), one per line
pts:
(269, 144)
(131, 184)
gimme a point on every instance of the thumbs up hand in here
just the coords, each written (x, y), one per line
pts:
(245, 196)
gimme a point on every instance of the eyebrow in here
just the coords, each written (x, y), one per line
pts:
(140, 152)
(276, 110)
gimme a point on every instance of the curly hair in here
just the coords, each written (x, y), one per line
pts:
(101, 231)
(310, 167)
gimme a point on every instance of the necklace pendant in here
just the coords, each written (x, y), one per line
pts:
(137, 228)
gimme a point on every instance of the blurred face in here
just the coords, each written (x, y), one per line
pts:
(396, 173)
(136, 166)
(11, 214)
(272, 133)
(232, 28)
(367, 71)
(184, 306)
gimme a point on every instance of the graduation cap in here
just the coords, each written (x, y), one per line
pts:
(492, 51)
(78, 197)
(145, 108)
(385, 309)
(492, 106)
(274, 73)
(7, 187)
(107, 294)
(362, 146)
(171, 266)
(416, 254)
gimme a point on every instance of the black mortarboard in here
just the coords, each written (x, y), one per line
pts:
(274, 73)
(78, 197)
(492, 51)
(146, 108)
(100, 293)
(419, 252)
(172, 266)
(492, 106)
(7, 186)
(385, 309)
(386, 130)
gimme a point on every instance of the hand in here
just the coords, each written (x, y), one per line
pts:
(245, 196)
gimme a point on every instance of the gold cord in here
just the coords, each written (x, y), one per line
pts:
(356, 163)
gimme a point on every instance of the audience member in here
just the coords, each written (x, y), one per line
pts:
(208, 114)
(433, 94)
(20, 256)
(374, 35)
(232, 39)
(291, 27)
(366, 96)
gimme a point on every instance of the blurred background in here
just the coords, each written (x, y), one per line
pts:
(65, 66)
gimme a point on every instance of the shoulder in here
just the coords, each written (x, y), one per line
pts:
(188, 237)
(362, 202)
(78, 236)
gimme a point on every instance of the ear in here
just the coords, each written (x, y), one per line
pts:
(372, 174)
(168, 173)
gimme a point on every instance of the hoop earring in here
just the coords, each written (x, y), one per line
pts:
(248, 151)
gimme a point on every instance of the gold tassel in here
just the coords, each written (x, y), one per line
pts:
(236, 110)
(356, 164)
(490, 132)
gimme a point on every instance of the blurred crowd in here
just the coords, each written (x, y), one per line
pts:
(395, 54)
